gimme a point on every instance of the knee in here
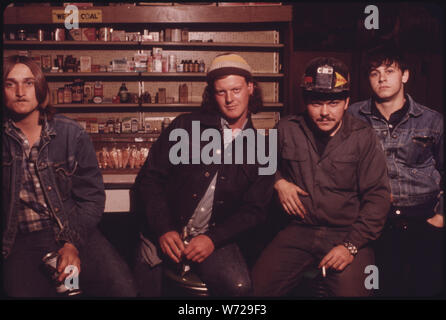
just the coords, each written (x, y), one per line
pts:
(241, 288)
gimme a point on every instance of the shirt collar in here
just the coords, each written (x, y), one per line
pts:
(396, 116)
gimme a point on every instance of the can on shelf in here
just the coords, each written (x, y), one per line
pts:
(60, 95)
(176, 35)
(21, 34)
(105, 34)
(172, 63)
(40, 35)
(59, 34)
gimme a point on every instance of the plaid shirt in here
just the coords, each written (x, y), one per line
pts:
(33, 213)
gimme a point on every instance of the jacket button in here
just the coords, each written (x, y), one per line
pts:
(194, 196)
(49, 188)
(207, 174)
(394, 136)
(220, 202)
(56, 209)
(223, 178)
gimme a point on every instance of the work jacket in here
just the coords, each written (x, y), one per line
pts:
(413, 150)
(347, 185)
(171, 192)
(69, 175)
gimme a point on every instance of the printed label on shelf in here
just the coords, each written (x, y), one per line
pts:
(90, 16)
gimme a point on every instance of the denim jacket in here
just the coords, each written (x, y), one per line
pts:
(414, 152)
(70, 178)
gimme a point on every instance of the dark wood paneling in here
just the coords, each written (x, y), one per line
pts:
(161, 14)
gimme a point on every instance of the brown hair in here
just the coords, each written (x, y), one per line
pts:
(209, 103)
(41, 86)
(385, 54)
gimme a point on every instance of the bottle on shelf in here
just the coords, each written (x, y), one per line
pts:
(202, 66)
(118, 125)
(123, 93)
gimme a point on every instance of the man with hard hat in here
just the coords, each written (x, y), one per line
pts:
(332, 182)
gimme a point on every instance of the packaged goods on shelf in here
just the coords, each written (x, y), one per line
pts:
(161, 95)
(119, 65)
(183, 93)
(46, 63)
(88, 34)
(75, 34)
(118, 35)
(140, 62)
(126, 125)
(85, 64)
(155, 36)
(122, 157)
(132, 36)
(88, 93)
(130, 65)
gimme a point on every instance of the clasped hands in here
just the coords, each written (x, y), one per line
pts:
(198, 249)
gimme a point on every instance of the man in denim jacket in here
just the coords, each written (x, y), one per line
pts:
(53, 195)
(409, 253)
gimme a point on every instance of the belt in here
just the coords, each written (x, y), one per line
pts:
(402, 218)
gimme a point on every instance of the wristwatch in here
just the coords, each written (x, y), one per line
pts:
(351, 248)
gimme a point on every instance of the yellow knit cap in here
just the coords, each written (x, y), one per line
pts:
(226, 64)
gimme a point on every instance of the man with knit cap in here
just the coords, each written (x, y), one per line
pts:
(195, 211)
(332, 182)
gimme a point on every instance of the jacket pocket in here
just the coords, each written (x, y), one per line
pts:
(344, 173)
(64, 178)
(419, 150)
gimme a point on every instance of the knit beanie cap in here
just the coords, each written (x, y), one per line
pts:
(228, 64)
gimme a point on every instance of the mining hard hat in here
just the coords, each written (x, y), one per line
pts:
(326, 75)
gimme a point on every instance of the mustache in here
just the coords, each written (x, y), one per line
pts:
(325, 119)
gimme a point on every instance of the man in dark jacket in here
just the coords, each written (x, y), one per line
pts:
(196, 208)
(332, 177)
(53, 196)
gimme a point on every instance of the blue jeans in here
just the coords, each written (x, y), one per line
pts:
(297, 249)
(103, 272)
(225, 273)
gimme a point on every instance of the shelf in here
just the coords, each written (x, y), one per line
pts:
(64, 75)
(96, 105)
(160, 76)
(173, 15)
(126, 45)
(146, 105)
(124, 137)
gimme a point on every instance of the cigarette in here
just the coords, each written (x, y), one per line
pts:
(324, 273)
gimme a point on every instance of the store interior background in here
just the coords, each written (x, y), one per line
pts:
(337, 29)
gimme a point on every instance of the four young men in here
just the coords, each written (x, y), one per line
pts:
(332, 181)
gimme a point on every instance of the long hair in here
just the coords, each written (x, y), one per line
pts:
(209, 103)
(40, 84)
